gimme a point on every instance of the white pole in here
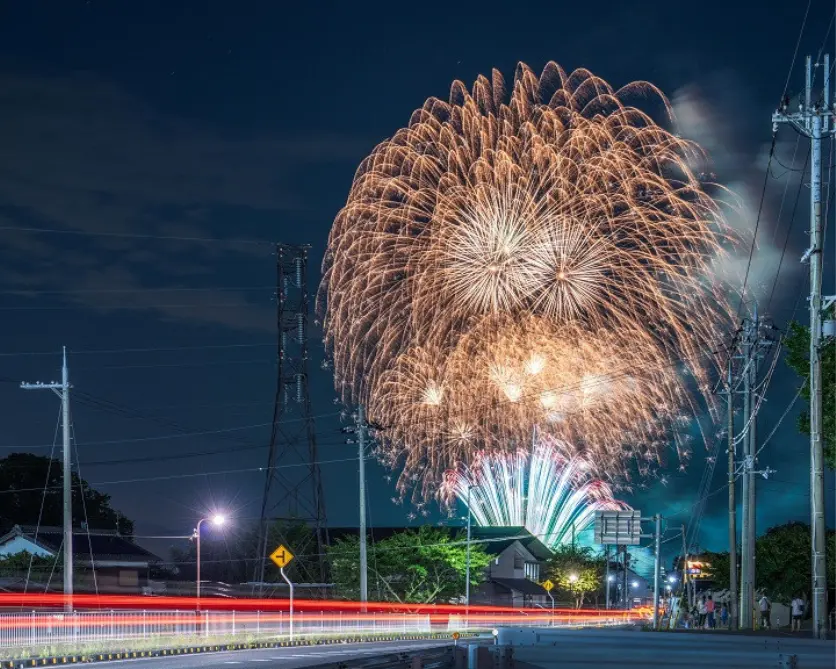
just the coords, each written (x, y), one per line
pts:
(290, 585)
(361, 451)
(68, 486)
(810, 122)
(816, 452)
(746, 599)
(63, 391)
(197, 584)
(467, 561)
(656, 567)
(732, 502)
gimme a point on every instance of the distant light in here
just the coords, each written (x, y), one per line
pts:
(635, 584)
(495, 631)
(671, 579)
(218, 519)
(573, 578)
(610, 578)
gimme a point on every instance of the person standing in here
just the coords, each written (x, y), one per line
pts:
(765, 607)
(709, 612)
(724, 616)
(703, 611)
(797, 606)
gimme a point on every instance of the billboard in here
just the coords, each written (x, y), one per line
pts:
(619, 528)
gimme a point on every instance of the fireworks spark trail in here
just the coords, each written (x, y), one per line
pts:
(543, 259)
(546, 489)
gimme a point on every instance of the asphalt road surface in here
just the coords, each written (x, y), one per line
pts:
(581, 649)
(286, 658)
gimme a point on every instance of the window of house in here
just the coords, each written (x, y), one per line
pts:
(518, 561)
(532, 571)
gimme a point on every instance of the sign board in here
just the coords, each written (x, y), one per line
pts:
(456, 636)
(547, 586)
(620, 528)
(281, 557)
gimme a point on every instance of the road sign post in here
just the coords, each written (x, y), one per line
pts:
(282, 557)
(548, 586)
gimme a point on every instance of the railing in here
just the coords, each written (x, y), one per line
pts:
(477, 621)
(20, 630)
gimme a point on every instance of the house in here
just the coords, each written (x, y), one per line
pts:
(106, 561)
(515, 571)
(514, 574)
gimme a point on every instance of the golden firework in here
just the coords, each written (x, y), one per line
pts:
(541, 260)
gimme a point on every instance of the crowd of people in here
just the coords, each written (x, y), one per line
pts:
(704, 614)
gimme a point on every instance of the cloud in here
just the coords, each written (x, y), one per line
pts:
(83, 155)
(716, 113)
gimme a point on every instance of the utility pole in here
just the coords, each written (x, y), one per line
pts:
(656, 567)
(751, 442)
(812, 120)
(746, 594)
(361, 453)
(62, 389)
(732, 502)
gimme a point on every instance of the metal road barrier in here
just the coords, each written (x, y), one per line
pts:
(102, 628)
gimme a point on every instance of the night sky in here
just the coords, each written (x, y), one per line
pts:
(159, 149)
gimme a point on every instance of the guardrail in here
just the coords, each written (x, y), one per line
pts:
(104, 627)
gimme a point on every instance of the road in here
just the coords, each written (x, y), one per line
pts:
(286, 658)
(582, 649)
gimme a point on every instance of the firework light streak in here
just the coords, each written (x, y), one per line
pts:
(538, 259)
(546, 489)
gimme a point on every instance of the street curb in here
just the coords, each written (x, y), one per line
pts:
(211, 648)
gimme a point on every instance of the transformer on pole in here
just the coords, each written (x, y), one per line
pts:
(293, 484)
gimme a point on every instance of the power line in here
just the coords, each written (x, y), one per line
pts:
(128, 235)
(138, 350)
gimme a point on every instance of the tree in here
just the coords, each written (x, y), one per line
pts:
(797, 345)
(576, 571)
(420, 566)
(782, 562)
(720, 573)
(29, 480)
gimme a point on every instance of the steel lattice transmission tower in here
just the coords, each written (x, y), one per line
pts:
(293, 494)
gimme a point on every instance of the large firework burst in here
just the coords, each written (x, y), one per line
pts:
(547, 489)
(538, 260)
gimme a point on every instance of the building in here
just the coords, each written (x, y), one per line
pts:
(514, 575)
(105, 561)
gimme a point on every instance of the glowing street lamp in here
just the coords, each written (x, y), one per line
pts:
(218, 520)
(573, 578)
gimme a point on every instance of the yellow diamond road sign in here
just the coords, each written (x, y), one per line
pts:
(547, 586)
(281, 557)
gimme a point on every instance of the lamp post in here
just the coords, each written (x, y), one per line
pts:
(217, 520)
(467, 558)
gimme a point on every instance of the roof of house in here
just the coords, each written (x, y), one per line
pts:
(494, 540)
(521, 585)
(100, 544)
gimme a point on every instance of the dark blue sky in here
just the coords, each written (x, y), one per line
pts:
(130, 123)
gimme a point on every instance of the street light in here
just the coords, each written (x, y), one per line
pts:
(573, 578)
(671, 579)
(610, 578)
(635, 584)
(467, 560)
(217, 520)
